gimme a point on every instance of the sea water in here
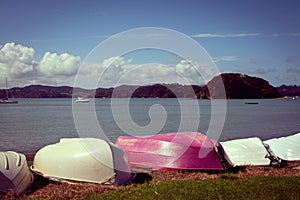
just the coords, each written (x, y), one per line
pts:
(33, 123)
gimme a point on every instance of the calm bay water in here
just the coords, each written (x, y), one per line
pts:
(34, 123)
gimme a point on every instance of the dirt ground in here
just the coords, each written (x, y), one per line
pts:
(43, 188)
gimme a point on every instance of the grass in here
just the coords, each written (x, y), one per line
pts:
(226, 187)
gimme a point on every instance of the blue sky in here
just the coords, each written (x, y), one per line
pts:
(44, 42)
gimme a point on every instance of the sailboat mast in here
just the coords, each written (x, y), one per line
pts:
(6, 86)
(6, 100)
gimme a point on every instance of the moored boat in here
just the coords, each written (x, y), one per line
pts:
(6, 100)
(251, 102)
(82, 100)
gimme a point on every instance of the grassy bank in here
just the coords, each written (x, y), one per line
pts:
(251, 182)
(225, 187)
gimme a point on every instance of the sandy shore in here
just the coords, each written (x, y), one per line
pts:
(43, 188)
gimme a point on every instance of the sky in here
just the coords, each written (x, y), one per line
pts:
(47, 42)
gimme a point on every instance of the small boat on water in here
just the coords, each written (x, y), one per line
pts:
(288, 98)
(174, 151)
(82, 100)
(6, 100)
(83, 159)
(15, 175)
(249, 102)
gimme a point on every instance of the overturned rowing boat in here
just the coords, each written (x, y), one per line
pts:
(14, 172)
(248, 151)
(83, 159)
(287, 148)
(174, 151)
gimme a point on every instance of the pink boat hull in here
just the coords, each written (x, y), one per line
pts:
(174, 151)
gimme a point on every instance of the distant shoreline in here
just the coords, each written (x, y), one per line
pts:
(236, 86)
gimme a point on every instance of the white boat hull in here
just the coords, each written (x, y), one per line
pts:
(248, 151)
(286, 148)
(88, 160)
(15, 175)
(4, 101)
(82, 100)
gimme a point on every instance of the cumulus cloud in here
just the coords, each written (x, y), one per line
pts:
(108, 73)
(116, 61)
(53, 65)
(16, 61)
(120, 71)
(146, 74)
(117, 71)
(188, 70)
(113, 69)
(196, 73)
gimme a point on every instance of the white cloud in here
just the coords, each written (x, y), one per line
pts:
(117, 71)
(16, 60)
(196, 73)
(116, 61)
(229, 35)
(53, 65)
(187, 69)
(148, 74)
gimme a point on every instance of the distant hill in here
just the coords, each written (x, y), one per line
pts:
(124, 91)
(237, 86)
(150, 91)
(292, 90)
(41, 91)
(166, 91)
